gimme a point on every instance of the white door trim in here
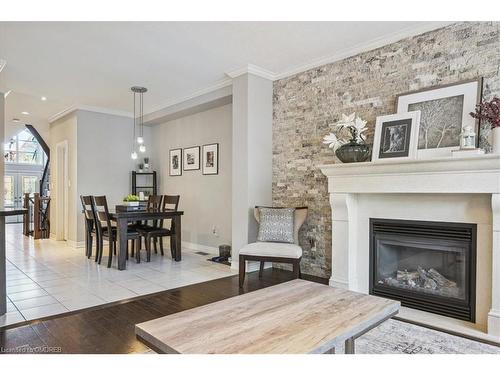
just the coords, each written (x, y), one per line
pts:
(62, 191)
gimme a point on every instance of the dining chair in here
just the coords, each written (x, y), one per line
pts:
(277, 252)
(158, 232)
(154, 203)
(106, 230)
(90, 225)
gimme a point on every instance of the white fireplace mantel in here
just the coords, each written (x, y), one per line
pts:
(447, 189)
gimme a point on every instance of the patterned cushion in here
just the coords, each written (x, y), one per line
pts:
(276, 225)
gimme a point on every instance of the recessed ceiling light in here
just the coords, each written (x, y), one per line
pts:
(16, 120)
(25, 113)
(44, 98)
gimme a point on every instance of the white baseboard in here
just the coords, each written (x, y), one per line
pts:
(76, 244)
(251, 266)
(198, 247)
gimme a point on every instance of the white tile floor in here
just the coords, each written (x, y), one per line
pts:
(47, 277)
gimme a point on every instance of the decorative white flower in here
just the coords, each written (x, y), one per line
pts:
(347, 120)
(360, 126)
(332, 141)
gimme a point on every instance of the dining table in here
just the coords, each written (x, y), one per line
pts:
(123, 217)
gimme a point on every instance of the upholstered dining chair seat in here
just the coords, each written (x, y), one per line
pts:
(272, 249)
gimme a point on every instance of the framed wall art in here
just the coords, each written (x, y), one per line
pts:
(175, 164)
(444, 113)
(191, 158)
(210, 159)
(396, 136)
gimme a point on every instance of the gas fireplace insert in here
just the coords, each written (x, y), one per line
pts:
(426, 265)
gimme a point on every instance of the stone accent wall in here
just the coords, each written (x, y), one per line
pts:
(307, 105)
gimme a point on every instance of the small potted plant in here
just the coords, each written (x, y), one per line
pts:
(131, 200)
(489, 111)
(348, 141)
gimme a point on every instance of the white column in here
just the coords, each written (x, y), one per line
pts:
(494, 314)
(3, 286)
(252, 155)
(344, 240)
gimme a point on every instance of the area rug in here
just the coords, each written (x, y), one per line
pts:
(397, 337)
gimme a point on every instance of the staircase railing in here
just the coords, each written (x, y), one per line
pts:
(46, 150)
(36, 220)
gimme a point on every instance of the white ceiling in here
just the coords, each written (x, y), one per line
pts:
(95, 64)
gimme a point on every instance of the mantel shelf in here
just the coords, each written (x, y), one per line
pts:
(479, 174)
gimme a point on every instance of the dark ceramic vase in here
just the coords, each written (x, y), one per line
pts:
(353, 152)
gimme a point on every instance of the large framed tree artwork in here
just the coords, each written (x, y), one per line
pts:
(444, 112)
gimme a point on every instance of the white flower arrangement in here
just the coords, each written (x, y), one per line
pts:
(348, 130)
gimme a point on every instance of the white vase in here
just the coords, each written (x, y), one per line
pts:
(496, 140)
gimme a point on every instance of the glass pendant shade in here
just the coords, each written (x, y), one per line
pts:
(138, 119)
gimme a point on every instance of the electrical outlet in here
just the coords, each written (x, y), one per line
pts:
(214, 231)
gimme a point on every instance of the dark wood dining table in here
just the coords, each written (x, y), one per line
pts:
(122, 219)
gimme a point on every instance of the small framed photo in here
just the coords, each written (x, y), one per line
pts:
(175, 162)
(191, 158)
(396, 136)
(210, 159)
(444, 113)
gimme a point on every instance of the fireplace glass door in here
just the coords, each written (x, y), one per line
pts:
(426, 265)
(423, 265)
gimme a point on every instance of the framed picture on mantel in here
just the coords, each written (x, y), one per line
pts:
(444, 113)
(396, 136)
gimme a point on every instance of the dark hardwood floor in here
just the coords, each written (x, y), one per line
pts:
(110, 329)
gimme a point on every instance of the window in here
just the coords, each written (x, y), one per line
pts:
(23, 148)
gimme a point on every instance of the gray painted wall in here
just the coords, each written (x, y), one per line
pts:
(99, 161)
(206, 199)
(104, 163)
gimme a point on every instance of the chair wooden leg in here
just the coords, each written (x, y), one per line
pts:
(242, 267)
(112, 245)
(147, 239)
(296, 269)
(261, 269)
(89, 248)
(161, 245)
(87, 242)
(154, 244)
(172, 246)
(101, 250)
(138, 251)
(132, 250)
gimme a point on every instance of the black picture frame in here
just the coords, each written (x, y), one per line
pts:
(207, 170)
(186, 165)
(170, 154)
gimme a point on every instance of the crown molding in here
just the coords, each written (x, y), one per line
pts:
(364, 47)
(252, 69)
(216, 86)
(88, 108)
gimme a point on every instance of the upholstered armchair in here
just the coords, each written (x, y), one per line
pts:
(270, 251)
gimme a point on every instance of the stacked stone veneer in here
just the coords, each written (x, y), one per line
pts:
(307, 105)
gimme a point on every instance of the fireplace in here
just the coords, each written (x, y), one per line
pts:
(428, 266)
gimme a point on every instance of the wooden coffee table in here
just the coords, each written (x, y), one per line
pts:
(294, 317)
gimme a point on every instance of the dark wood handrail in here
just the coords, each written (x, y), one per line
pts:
(46, 150)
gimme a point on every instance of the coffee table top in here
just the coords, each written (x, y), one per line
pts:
(293, 317)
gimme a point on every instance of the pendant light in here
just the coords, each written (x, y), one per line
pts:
(138, 120)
